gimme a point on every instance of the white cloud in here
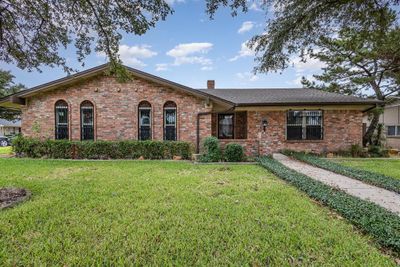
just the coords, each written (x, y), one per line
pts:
(161, 67)
(182, 50)
(132, 55)
(246, 26)
(306, 68)
(207, 68)
(245, 51)
(172, 2)
(254, 6)
(298, 79)
(247, 76)
(310, 64)
(191, 53)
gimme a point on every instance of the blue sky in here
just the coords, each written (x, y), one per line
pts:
(189, 48)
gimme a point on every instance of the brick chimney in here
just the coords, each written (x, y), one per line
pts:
(210, 84)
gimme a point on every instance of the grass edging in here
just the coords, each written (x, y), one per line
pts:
(383, 225)
(372, 178)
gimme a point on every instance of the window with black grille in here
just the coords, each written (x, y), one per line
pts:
(226, 126)
(304, 125)
(61, 120)
(170, 121)
(87, 121)
(144, 121)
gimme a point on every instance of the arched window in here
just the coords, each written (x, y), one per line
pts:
(61, 120)
(87, 121)
(170, 121)
(144, 121)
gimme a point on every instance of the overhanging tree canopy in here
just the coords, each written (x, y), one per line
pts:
(297, 25)
(32, 32)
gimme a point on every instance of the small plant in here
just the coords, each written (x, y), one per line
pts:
(356, 151)
(378, 152)
(212, 150)
(234, 153)
(36, 128)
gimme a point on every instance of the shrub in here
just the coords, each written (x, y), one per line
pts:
(378, 151)
(234, 153)
(212, 150)
(372, 178)
(373, 219)
(130, 149)
(356, 151)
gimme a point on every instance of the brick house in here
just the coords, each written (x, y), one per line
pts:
(91, 105)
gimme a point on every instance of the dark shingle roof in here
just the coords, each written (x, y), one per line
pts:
(287, 96)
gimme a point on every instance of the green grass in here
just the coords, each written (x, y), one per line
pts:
(389, 167)
(5, 150)
(169, 213)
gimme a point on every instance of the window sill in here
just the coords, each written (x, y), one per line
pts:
(304, 141)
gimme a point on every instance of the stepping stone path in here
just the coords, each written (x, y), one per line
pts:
(382, 197)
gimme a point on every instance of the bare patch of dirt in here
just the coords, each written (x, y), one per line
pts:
(9, 197)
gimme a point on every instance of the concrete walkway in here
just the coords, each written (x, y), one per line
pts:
(382, 197)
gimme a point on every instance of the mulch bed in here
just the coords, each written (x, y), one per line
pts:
(10, 197)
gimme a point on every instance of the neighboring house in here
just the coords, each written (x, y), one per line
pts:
(391, 121)
(92, 106)
(9, 127)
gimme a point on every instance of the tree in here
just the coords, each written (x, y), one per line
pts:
(296, 25)
(8, 87)
(32, 32)
(361, 63)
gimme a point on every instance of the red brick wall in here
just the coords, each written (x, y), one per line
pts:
(116, 110)
(342, 128)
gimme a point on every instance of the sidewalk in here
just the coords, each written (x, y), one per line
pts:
(382, 197)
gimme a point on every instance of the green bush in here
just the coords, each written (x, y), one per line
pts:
(234, 153)
(373, 219)
(131, 149)
(356, 151)
(372, 178)
(212, 150)
(378, 152)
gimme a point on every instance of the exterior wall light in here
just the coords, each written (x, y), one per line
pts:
(264, 124)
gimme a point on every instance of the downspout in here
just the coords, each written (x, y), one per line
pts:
(198, 130)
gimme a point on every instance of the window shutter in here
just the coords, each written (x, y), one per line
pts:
(241, 125)
(214, 123)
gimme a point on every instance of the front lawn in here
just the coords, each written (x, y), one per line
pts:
(389, 167)
(169, 213)
(5, 150)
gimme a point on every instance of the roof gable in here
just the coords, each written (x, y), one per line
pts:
(19, 97)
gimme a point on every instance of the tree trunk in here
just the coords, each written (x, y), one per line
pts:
(371, 129)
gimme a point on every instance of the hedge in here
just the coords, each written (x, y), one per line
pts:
(383, 225)
(372, 178)
(63, 149)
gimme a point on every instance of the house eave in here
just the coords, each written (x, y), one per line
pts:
(313, 105)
